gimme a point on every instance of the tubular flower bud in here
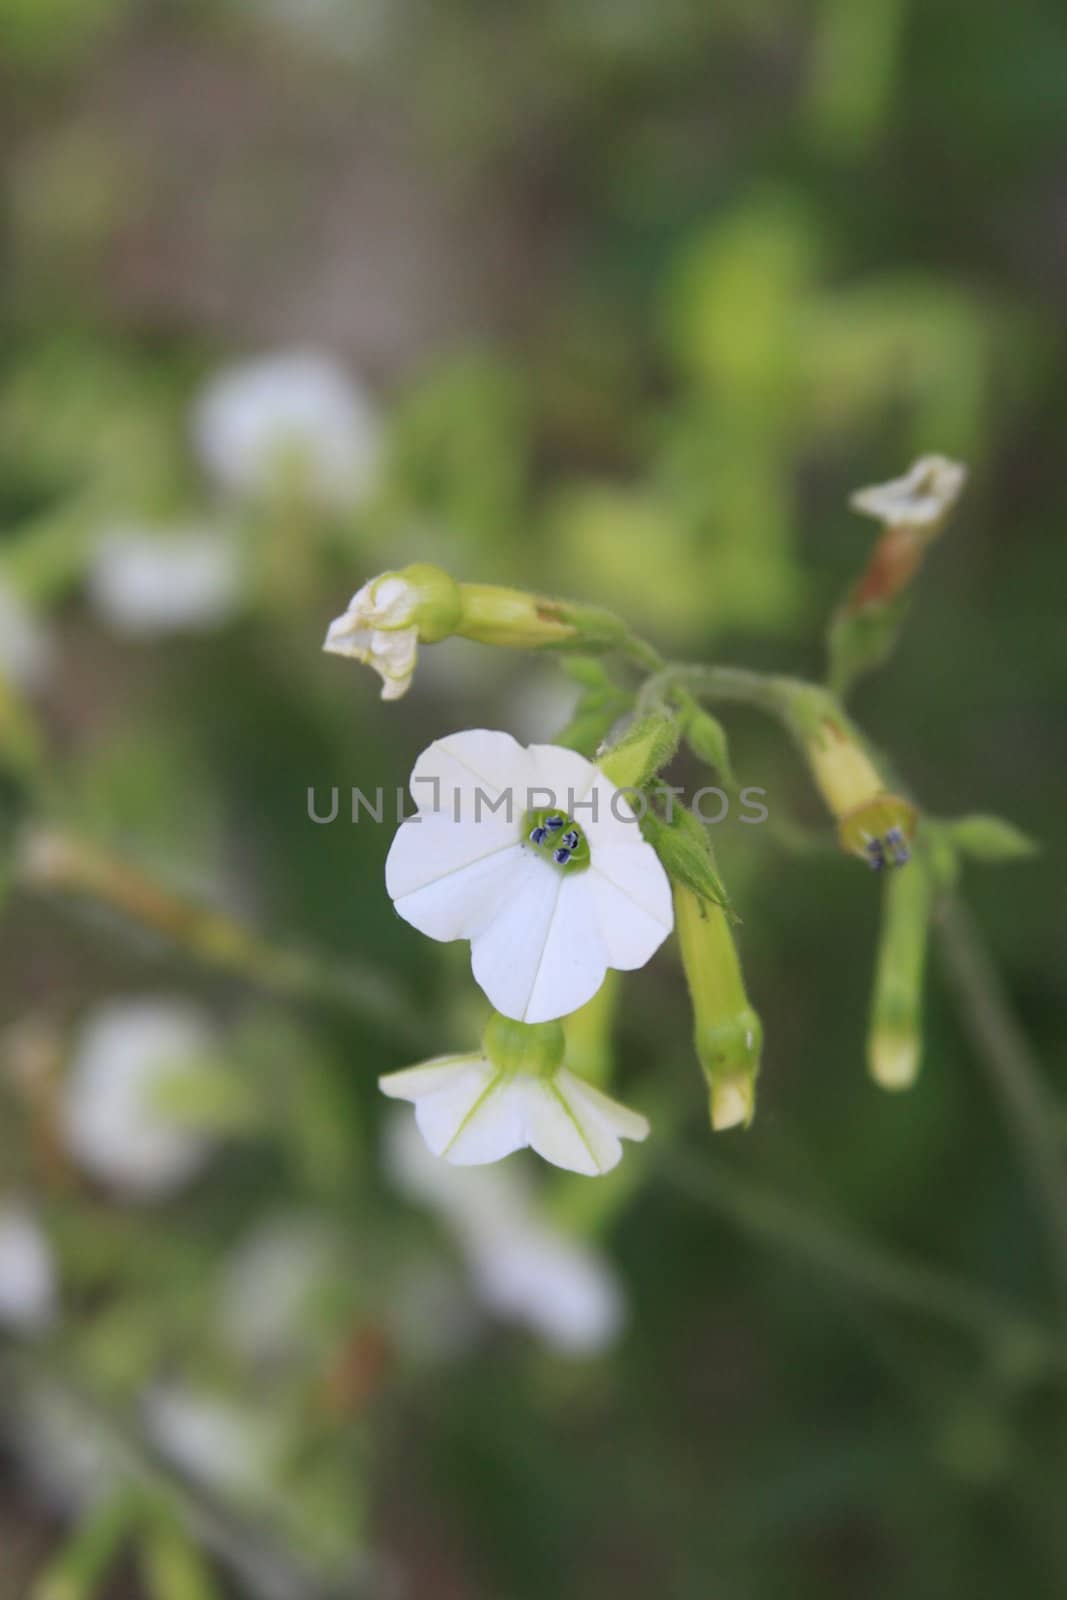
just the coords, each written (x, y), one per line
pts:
(871, 823)
(727, 1033)
(513, 1093)
(388, 617)
(895, 1040)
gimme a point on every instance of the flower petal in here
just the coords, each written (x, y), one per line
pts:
(632, 896)
(563, 777)
(461, 900)
(541, 956)
(573, 1125)
(464, 762)
(463, 1108)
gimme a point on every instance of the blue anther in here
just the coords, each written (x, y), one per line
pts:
(554, 824)
(538, 835)
(570, 839)
(561, 857)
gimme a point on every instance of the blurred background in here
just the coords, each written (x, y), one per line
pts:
(605, 299)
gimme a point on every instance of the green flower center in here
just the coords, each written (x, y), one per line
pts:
(556, 837)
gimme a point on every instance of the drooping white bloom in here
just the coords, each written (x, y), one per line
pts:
(921, 499)
(187, 580)
(536, 858)
(110, 1118)
(471, 1112)
(522, 1267)
(27, 1272)
(25, 646)
(379, 629)
(295, 412)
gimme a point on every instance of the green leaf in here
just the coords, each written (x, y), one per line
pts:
(990, 839)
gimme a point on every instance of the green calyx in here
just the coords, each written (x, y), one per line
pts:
(535, 1048)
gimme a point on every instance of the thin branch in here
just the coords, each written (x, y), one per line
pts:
(986, 1012)
(56, 863)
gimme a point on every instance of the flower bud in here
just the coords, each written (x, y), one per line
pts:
(727, 1033)
(644, 749)
(518, 620)
(872, 824)
(894, 1042)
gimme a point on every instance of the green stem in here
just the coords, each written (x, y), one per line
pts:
(1012, 1335)
(56, 863)
(1000, 1044)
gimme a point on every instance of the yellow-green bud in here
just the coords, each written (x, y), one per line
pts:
(727, 1033)
(894, 1044)
(534, 1047)
(872, 823)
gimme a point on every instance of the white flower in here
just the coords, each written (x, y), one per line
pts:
(124, 1056)
(293, 411)
(25, 646)
(921, 499)
(470, 1112)
(271, 1284)
(27, 1273)
(379, 629)
(143, 583)
(545, 921)
(211, 1440)
(523, 1267)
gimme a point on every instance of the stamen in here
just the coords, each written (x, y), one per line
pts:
(875, 854)
(898, 847)
(554, 824)
(538, 835)
(570, 839)
(561, 857)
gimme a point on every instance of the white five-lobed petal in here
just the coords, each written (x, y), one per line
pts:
(920, 499)
(542, 939)
(379, 630)
(470, 1112)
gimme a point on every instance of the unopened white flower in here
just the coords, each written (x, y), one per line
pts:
(186, 580)
(921, 499)
(27, 1272)
(25, 645)
(110, 1119)
(471, 1111)
(293, 412)
(536, 858)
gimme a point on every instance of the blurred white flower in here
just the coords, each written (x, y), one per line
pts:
(295, 412)
(536, 858)
(472, 1112)
(921, 499)
(521, 1267)
(271, 1282)
(27, 1272)
(65, 1459)
(124, 1055)
(210, 1439)
(186, 580)
(26, 650)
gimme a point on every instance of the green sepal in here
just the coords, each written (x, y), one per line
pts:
(706, 737)
(685, 850)
(643, 751)
(990, 839)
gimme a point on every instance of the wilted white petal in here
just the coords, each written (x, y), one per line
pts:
(919, 499)
(144, 583)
